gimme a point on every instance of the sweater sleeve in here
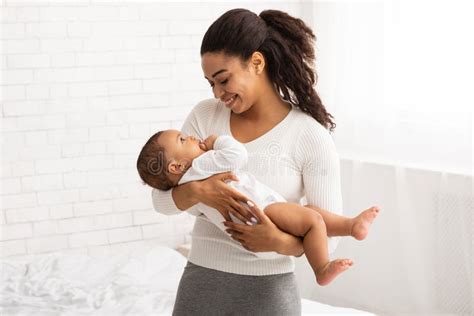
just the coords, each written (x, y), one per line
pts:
(195, 124)
(320, 165)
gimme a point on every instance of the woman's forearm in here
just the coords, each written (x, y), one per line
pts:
(184, 196)
(290, 245)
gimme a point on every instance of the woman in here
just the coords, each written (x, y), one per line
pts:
(260, 71)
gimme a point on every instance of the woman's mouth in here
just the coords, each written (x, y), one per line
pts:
(229, 102)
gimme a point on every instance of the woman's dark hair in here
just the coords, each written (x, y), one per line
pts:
(152, 164)
(287, 44)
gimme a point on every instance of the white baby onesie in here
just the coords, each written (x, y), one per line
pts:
(230, 155)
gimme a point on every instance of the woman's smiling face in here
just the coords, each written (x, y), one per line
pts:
(233, 81)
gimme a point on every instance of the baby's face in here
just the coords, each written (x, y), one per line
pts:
(180, 147)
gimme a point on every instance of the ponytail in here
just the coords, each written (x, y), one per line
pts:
(287, 44)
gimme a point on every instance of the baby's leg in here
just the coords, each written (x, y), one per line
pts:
(304, 222)
(357, 227)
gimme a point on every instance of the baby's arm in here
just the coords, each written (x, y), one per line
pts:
(223, 153)
(208, 143)
(227, 155)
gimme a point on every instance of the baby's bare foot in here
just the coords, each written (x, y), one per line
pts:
(331, 270)
(361, 224)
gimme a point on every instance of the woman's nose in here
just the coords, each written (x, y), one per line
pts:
(218, 92)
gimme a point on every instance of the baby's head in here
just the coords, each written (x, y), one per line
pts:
(165, 157)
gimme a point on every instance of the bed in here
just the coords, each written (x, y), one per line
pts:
(141, 282)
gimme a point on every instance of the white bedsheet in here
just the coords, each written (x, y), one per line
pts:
(138, 283)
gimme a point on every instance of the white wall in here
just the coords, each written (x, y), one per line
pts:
(84, 84)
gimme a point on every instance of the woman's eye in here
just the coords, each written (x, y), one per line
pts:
(182, 139)
(222, 82)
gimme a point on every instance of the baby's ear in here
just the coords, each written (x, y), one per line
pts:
(173, 167)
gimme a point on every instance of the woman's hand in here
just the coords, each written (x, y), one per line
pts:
(215, 193)
(264, 236)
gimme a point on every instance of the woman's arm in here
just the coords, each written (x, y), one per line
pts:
(170, 203)
(317, 155)
(184, 195)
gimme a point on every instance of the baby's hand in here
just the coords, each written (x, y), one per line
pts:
(208, 143)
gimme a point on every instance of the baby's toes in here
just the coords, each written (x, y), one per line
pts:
(375, 209)
(345, 263)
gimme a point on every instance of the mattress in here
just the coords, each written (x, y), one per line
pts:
(142, 282)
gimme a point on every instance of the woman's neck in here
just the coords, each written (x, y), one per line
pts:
(269, 107)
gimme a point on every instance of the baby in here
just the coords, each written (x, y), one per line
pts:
(170, 158)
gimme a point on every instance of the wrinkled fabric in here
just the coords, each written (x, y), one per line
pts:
(58, 284)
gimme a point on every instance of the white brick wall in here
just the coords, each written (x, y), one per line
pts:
(84, 84)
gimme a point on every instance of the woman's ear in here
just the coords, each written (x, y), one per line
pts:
(257, 62)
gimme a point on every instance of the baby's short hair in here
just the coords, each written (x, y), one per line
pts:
(152, 164)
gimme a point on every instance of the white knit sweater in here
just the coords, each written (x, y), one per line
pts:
(229, 154)
(296, 158)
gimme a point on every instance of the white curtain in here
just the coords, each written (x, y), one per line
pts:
(418, 256)
(397, 76)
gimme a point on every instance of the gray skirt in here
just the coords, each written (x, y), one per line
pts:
(204, 291)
